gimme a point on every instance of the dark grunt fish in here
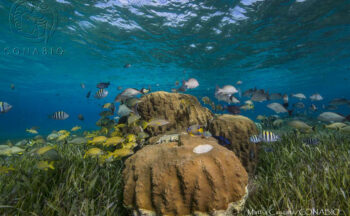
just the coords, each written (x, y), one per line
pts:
(222, 140)
(103, 85)
(88, 94)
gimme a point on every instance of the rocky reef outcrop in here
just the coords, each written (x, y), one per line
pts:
(181, 110)
(194, 176)
(237, 129)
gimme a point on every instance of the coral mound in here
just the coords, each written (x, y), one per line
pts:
(195, 176)
(237, 129)
(181, 110)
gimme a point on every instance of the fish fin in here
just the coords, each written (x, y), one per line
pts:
(200, 130)
(51, 165)
(144, 125)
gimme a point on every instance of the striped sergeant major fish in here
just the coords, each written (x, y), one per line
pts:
(5, 107)
(268, 136)
(264, 136)
(101, 93)
(254, 139)
(60, 115)
(311, 141)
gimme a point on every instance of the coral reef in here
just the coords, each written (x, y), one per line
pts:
(193, 176)
(237, 129)
(181, 110)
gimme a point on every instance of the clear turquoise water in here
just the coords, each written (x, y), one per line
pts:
(281, 46)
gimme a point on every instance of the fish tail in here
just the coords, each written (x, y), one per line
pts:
(144, 125)
(51, 165)
(314, 128)
(200, 130)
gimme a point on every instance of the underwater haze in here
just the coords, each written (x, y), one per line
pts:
(287, 47)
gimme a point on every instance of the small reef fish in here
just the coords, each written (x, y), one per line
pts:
(190, 84)
(119, 88)
(5, 170)
(127, 93)
(93, 152)
(9, 151)
(45, 165)
(132, 102)
(44, 149)
(275, 96)
(59, 115)
(81, 117)
(206, 100)
(265, 136)
(225, 90)
(239, 82)
(32, 131)
(302, 126)
(278, 122)
(98, 140)
(145, 91)
(123, 110)
(330, 117)
(103, 85)
(76, 128)
(313, 107)
(345, 129)
(142, 135)
(12, 86)
(316, 97)
(255, 139)
(336, 125)
(300, 96)
(106, 113)
(285, 100)
(5, 107)
(101, 93)
(219, 107)
(168, 138)
(339, 101)
(110, 106)
(247, 107)
(88, 94)
(155, 123)
(299, 105)
(127, 66)
(278, 108)
(233, 109)
(259, 96)
(222, 140)
(82, 85)
(207, 134)
(311, 141)
(133, 119)
(331, 107)
(195, 130)
(227, 98)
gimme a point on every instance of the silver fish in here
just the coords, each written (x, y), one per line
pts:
(275, 96)
(101, 93)
(5, 107)
(330, 117)
(123, 110)
(59, 115)
(126, 94)
(190, 84)
(225, 90)
(278, 108)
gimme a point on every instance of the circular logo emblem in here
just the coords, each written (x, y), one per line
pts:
(33, 19)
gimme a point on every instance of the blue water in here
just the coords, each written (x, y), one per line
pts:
(280, 46)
